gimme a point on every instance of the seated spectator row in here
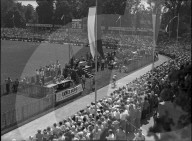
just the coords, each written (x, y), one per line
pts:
(61, 36)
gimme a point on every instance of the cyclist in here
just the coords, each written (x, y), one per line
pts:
(114, 80)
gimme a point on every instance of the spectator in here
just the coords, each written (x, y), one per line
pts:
(56, 130)
(145, 108)
(139, 136)
(120, 135)
(96, 133)
(15, 85)
(39, 136)
(45, 135)
(83, 81)
(102, 64)
(68, 77)
(111, 136)
(8, 84)
(93, 84)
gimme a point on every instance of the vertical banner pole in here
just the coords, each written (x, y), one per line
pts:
(96, 63)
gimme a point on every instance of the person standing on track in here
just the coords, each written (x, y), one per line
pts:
(114, 80)
(8, 84)
(83, 81)
(102, 64)
(93, 83)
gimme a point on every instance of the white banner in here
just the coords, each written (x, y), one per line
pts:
(91, 29)
(60, 96)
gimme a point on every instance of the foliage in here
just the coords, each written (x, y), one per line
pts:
(183, 8)
(45, 12)
(133, 12)
(16, 15)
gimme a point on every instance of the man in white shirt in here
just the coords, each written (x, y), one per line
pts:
(116, 114)
(123, 115)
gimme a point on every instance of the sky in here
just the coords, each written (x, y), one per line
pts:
(26, 2)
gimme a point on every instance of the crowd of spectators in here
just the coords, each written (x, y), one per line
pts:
(39, 35)
(64, 35)
(121, 113)
(52, 70)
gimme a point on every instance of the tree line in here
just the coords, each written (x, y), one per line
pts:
(134, 13)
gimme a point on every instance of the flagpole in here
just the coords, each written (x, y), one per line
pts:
(14, 21)
(69, 46)
(96, 63)
(177, 27)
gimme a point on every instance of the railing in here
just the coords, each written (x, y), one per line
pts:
(30, 90)
(20, 114)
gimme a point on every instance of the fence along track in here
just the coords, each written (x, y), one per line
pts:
(20, 114)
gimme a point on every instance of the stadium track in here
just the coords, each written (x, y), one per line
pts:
(30, 129)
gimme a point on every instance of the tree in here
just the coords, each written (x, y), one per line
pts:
(63, 12)
(6, 5)
(19, 19)
(175, 7)
(29, 13)
(45, 12)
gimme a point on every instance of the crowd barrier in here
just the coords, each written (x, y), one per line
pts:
(41, 40)
(23, 113)
(30, 90)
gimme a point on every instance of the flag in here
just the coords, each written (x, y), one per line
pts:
(93, 30)
(62, 17)
(118, 19)
(166, 29)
